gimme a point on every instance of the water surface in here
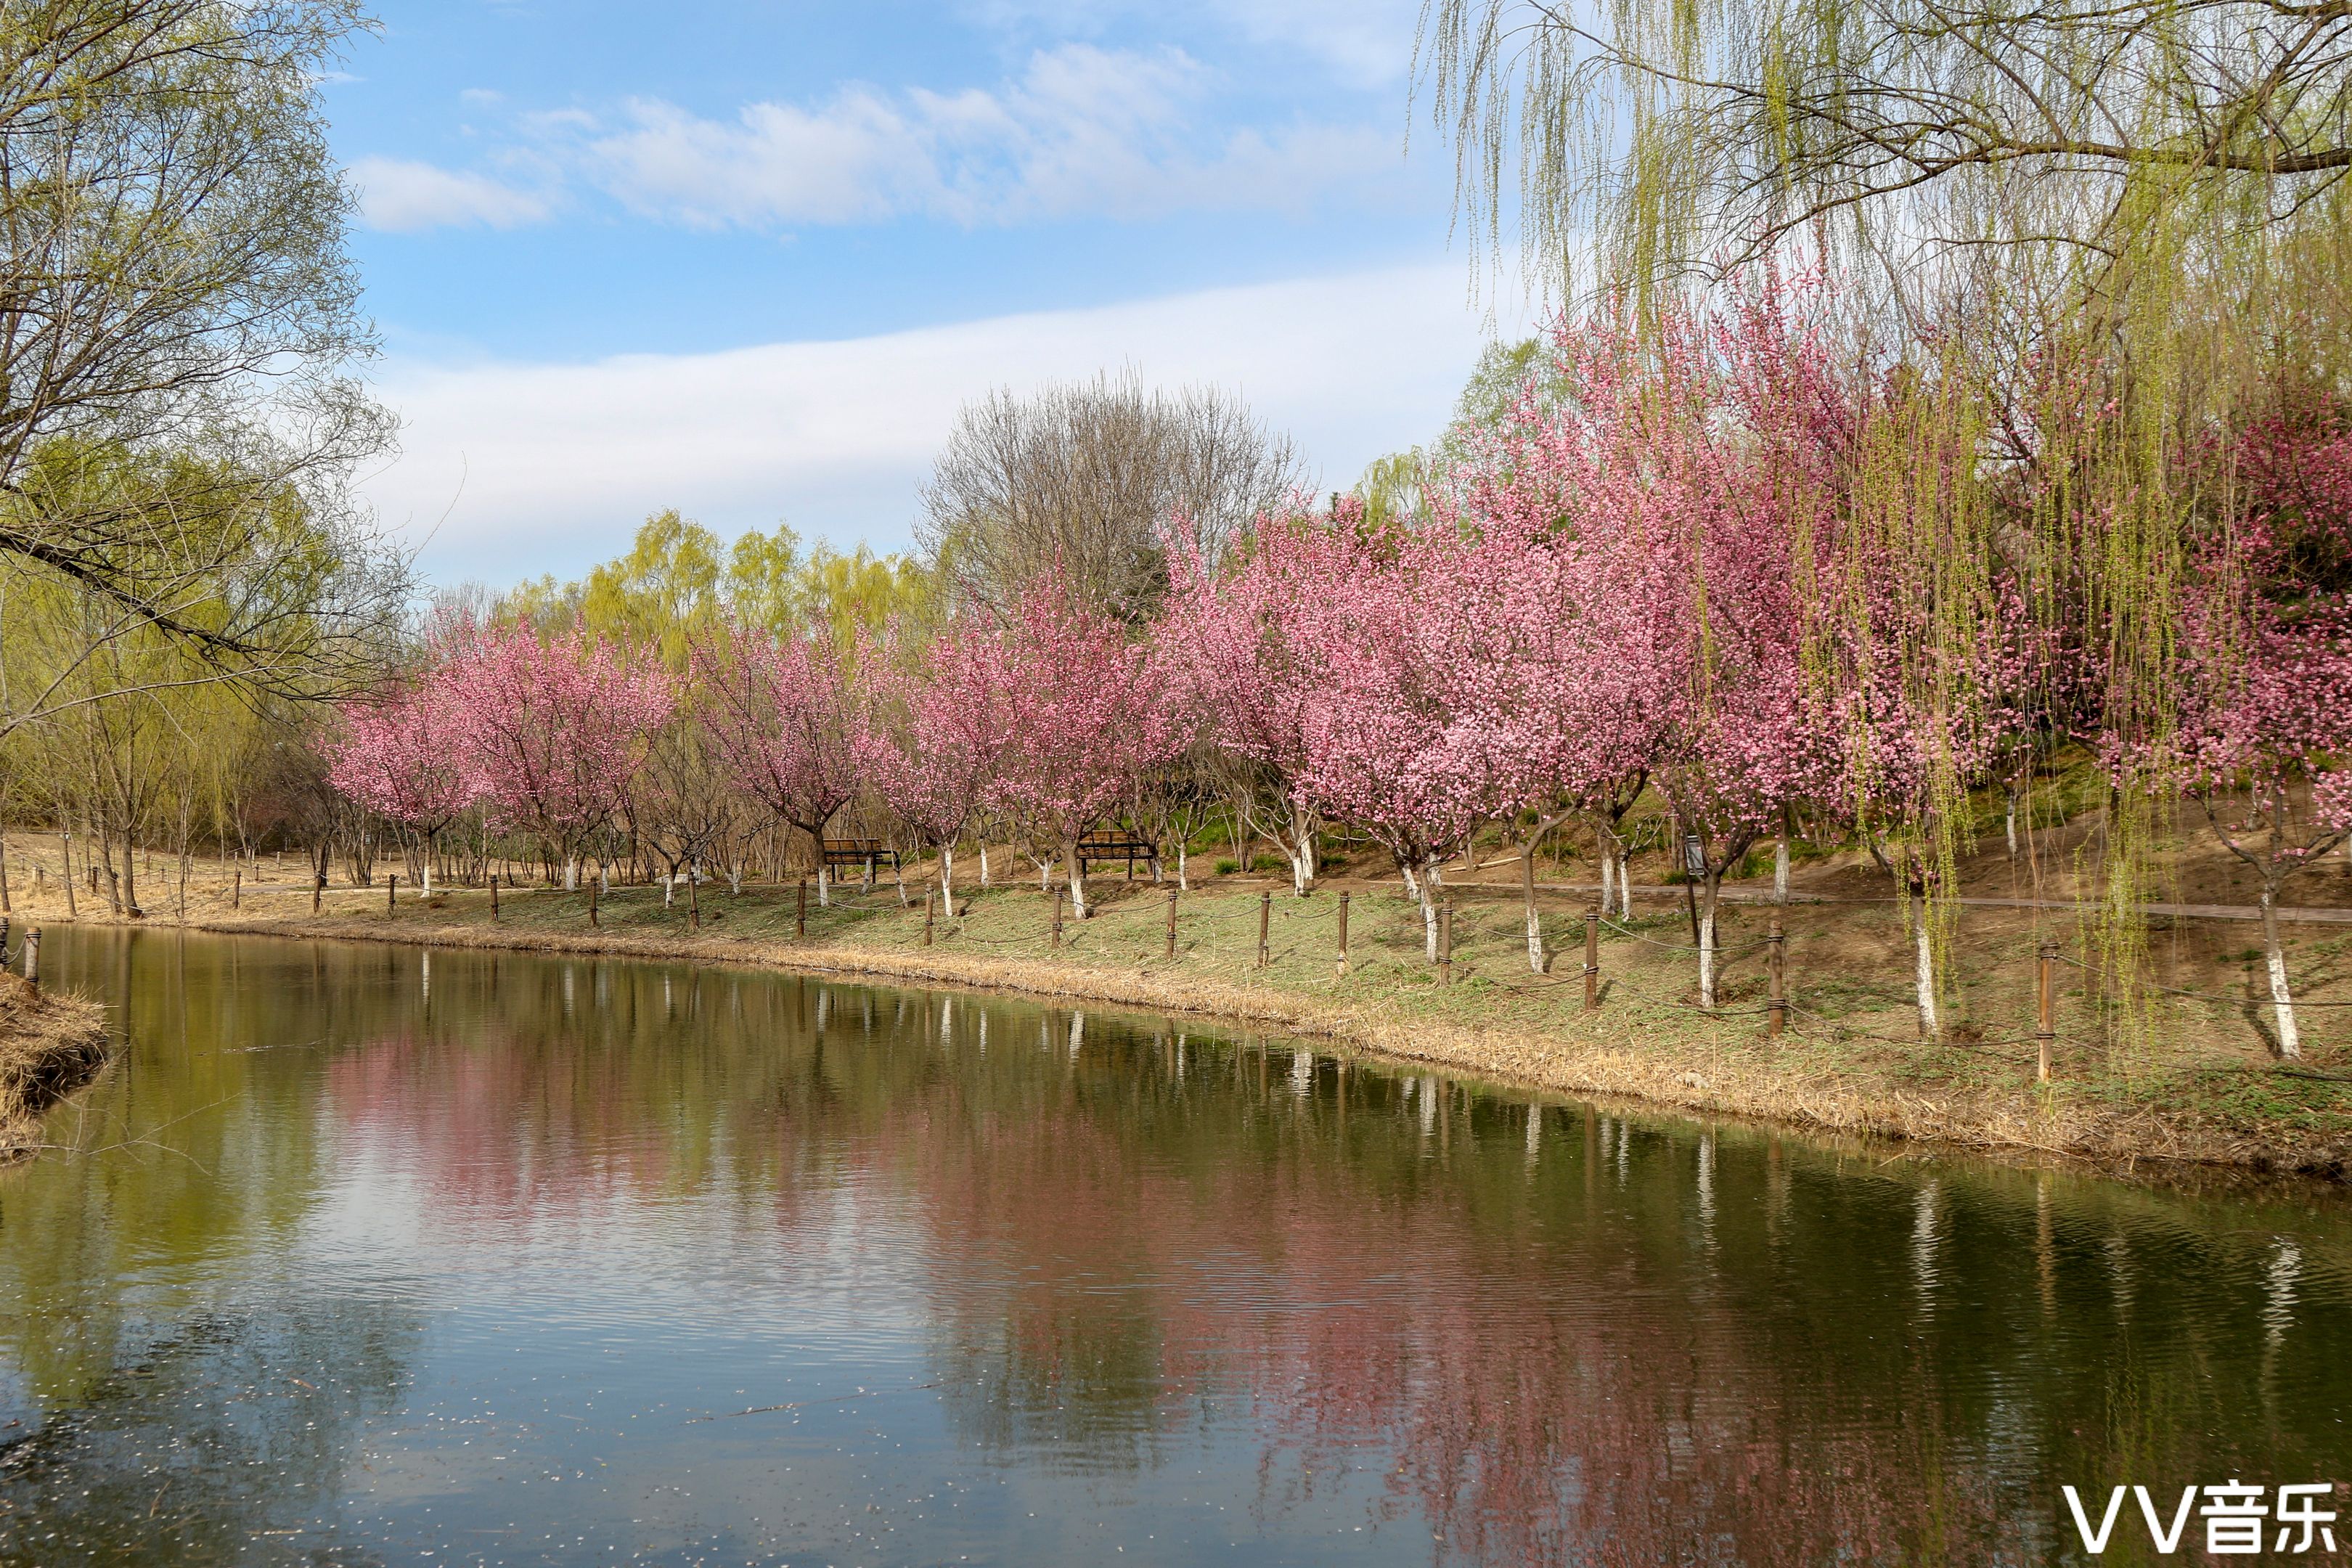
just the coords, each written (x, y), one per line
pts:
(375, 1255)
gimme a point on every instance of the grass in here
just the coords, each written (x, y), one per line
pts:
(2197, 1084)
(50, 1045)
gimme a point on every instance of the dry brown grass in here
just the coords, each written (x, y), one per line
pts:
(50, 1045)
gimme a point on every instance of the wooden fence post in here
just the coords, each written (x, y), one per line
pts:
(927, 920)
(1057, 917)
(1343, 936)
(32, 958)
(800, 918)
(1593, 958)
(1776, 1010)
(1265, 918)
(1446, 943)
(2045, 1033)
(236, 890)
(1172, 921)
(392, 893)
(593, 920)
(494, 895)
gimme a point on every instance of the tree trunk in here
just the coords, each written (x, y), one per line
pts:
(5, 907)
(1430, 883)
(1302, 858)
(2012, 821)
(1182, 884)
(65, 849)
(1625, 883)
(823, 882)
(1077, 885)
(983, 864)
(1712, 882)
(947, 879)
(1607, 878)
(1924, 974)
(2290, 1043)
(1536, 958)
(572, 873)
(1780, 866)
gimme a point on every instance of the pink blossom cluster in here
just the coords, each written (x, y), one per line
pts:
(543, 733)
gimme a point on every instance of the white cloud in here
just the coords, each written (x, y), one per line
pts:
(1368, 43)
(548, 467)
(1082, 129)
(403, 195)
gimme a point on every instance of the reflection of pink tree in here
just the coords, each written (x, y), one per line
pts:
(784, 719)
(939, 732)
(398, 756)
(1086, 714)
(553, 730)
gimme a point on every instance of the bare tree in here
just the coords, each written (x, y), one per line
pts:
(1081, 477)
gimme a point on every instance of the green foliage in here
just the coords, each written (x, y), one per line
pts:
(678, 581)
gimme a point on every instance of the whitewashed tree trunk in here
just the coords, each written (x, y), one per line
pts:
(1430, 883)
(571, 874)
(428, 875)
(983, 863)
(823, 884)
(1535, 920)
(1706, 944)
(1302, 858)
(1608, 879)
(1925, 976)
(735, 877)
(1077, 887)
(1624, 884)
(669, 891)
(1184, 884)
(2290, 1043)
(2011, 822)
(1781, 869)
(946, 878)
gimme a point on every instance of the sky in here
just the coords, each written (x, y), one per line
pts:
(747, 260)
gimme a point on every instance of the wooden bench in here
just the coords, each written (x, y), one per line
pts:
(1115, 844)
(863, 852)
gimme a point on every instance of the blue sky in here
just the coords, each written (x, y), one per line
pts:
(747, 260)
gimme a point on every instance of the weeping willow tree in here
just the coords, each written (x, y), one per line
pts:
(2087, 236)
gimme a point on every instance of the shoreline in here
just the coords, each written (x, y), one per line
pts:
(53, 1045)
(1710, 1065)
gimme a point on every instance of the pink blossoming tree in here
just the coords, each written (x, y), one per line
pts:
(553, 730)
(784, 720)
(1086, 713)
(399, 755)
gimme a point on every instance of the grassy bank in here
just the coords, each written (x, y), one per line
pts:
(2196, 1084)
(50, 1045)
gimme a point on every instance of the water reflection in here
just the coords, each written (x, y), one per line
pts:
(393, 1251)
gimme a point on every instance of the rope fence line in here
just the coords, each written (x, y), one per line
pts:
(2216, 996)
(1395, 932)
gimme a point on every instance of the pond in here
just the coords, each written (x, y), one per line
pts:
(381, 1254)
